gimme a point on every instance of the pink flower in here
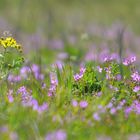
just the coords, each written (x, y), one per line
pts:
(42, 108)
(133, 59)
(99, 94)
(126, 62)
(78, 76)
(113, 111)
(96, 117)
(136, 88)
(99, 69)
(10, 96)
(127, 111)
(56, 135)
(135, 76)
(129, 61)
(74, 103)
(83, 104)
(82, 70)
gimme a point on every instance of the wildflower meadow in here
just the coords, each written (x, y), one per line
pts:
(80, 85)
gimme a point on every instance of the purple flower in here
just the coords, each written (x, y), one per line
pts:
(115, 56)
(36, 71)
(118, 77)
(99, 94)
(135, 76)
(136, 88)
(129, 61)
(99, 69)
(50, 94)
(39, 76)
(119, 107)
(34, 103)
(83, 104)
(17, 78)
(35, 68)
(126, 62)
(133, 59)
(122, 102)
(106, 59)
(4, 129)
(39, 108)
(127, 111)
(22, 90)
(113, 111)
(111, 57)
(24, 71)
(59, 64)
(12, 78)
(43, 85)
(57, 135)
(96, 116)
(25, 95)
(42, 108)
(26, 100)
(52, 90)
(74, 103)
(100, 106)
(54, 83)
(110, 105)
(136, 107)
(10, 96)
(53, 79)
(78, 76)
(82, 70)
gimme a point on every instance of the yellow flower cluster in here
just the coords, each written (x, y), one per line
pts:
(10, 42)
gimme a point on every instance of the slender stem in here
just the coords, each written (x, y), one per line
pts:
(120, 42)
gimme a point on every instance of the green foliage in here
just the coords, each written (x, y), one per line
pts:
(10, 56)
(88, 84)
(115, 69)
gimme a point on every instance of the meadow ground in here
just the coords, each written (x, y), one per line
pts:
(75, 76)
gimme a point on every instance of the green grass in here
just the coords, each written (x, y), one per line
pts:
(77, 122)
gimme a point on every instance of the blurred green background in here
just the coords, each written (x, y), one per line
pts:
(48, 19)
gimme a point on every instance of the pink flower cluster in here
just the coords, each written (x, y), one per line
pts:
(53, 84)
(110, 107)
(39, 108)
(136, 88)
(135, 107)
(78, 76)
(10, 96)
(129, 61)
(25, 95)
(99, 69)
(24, 73)
(56, 135)
(27, 100)
(83, 104)
(135, 76)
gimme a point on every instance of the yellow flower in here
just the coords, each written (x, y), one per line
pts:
(10, 42)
